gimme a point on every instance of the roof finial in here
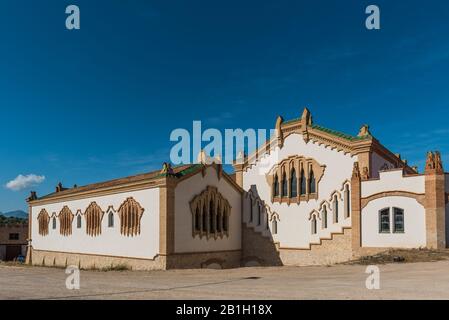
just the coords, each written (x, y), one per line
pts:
(364, 131)
(167, 169)
(307, 117)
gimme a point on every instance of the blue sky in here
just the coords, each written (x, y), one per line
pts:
(100, 103)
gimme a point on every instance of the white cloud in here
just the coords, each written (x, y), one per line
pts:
(23, 182)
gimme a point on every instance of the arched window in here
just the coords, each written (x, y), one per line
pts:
(205, 215)
(313, 224)
(268, 222)
(303, 183)
(259, 215)
(54, 223)
(225, 221)
(335, 208)
(293, 184)
(219, 219)
(111, 220)
(284, 185)
(274, 226)
(312, 182)
(276, 186)
(324, 215)
(78, 221)
(347, 202)
(251, 209)
(211, 217)
(130, 214)
(212, 210)
(197, 220)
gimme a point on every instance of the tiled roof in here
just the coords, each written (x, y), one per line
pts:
(339, 134)
(330, 131)
(178, 171)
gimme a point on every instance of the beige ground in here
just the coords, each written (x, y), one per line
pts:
(398, 281)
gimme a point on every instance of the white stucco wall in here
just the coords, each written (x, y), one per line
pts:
(294, 228)
(110, 241)
(393, 181)
(414, 235)
(184, 193)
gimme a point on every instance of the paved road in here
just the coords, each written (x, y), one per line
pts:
(397, 281)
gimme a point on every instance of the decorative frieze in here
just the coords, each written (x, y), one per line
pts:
(130, 213)
(43, 220)
(93, 216)
(65, 221)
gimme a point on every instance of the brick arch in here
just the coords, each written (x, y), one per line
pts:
(420, 197)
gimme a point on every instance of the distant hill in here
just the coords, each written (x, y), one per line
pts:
(15, 214)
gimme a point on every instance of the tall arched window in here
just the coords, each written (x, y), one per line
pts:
(111, 219)
(219, 219)
(284, 185)
(324, 215)
(251, 209)
(225, 220)
(303, 183)
(274, 226)
(259, 215)
(211, 217)
(276, 186)
(335, 208)
(54, 223)
(197, 220)
(313, 224)
(205, 215)
(312, 182)
(293, 184)
(347, 202)
(78, 221)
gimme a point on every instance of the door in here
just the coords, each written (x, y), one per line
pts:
(12, 252)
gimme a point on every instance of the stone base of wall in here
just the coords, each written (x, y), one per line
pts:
(221, 260)
(337, 249)
(215, 260)
(257, 249)
(88, 261)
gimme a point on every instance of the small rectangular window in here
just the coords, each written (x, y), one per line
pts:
(384, 221)
(398, 220)
(13, 236)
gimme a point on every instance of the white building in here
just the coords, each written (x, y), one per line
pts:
(309, 196)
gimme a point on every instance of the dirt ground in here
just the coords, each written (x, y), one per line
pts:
(422, 280)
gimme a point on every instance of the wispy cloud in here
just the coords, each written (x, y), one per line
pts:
(22, 182)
